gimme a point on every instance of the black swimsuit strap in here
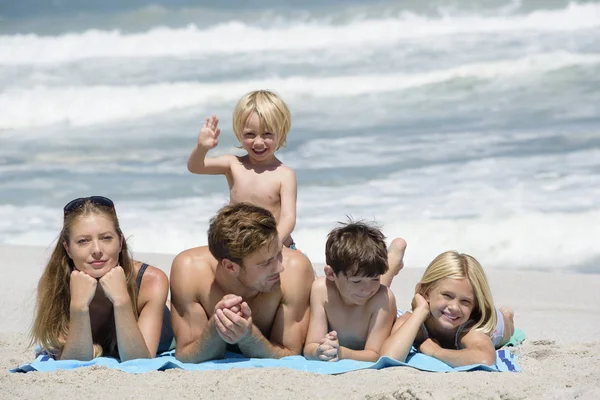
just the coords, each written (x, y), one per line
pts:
(140, 274)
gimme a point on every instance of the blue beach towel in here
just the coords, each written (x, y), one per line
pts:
(505, 361)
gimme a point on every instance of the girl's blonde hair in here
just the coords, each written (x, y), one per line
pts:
(454, 265)
(51, 323)
(273, 113)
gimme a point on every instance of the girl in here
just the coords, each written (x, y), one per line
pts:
(453, 317)
(92, 299)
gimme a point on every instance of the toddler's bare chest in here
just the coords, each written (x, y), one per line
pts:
(256, 190)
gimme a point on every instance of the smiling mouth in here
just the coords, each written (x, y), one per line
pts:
(259, 151)
(450, 318)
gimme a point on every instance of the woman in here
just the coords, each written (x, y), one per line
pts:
(92, 299)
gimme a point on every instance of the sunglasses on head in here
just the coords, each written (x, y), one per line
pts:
(96, 200)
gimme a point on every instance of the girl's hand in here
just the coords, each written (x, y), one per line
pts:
(114, 285)
(419, 303)
(83, 290)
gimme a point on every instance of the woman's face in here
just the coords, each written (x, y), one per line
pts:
(94, 245)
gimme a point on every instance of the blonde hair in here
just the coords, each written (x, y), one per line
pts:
(51, 323)
(454, 265)
(273, 113)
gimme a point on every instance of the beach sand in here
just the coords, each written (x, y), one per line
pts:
(559, 312)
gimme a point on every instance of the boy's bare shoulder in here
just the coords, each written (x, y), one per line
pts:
(319, 285)
(383, 299)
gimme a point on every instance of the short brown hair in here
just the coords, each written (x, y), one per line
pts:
(356, 248)
(239, 230)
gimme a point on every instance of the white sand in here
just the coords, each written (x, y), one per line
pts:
(559, 312)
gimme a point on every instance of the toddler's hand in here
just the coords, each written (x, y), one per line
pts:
(208, 137)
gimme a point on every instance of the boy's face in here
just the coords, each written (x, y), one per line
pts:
(261, 146)
(355, 289)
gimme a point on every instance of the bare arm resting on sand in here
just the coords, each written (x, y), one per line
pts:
(380, 325)
(79, 343)
(196, 335)
(405, 330)
(131, 341)
(323, 345)
(478, 349)
(151, 302)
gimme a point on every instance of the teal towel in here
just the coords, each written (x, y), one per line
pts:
(505, 361)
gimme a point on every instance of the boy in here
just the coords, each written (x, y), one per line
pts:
(261, 121)
(351, 312)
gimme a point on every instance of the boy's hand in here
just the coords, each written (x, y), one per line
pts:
(329, 347)
(208, 137)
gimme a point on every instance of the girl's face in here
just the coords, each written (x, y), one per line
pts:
(260, 145)
(451, 303)
(94, 245)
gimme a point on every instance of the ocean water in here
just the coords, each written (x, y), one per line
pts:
(467, 125)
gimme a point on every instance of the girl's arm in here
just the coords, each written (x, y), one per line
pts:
(478, 349)
(405, 330)
(288, 196)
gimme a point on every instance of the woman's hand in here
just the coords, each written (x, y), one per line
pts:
(114, 285)
(83, 290)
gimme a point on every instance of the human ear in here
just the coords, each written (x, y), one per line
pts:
(329, 273)
(230, 266)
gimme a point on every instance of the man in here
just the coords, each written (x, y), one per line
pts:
(244, 289)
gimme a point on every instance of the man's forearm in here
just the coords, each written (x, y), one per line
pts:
(256, 345)
(209, 346)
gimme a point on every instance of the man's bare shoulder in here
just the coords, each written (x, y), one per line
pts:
(197, 261)
(298, 271)
(297, 264)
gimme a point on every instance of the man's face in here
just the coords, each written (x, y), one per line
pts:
(260, 270)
